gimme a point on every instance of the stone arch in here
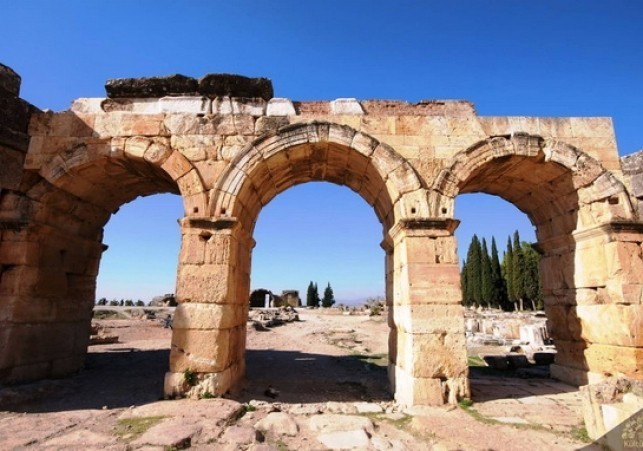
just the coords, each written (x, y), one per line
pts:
(586, 181)
(319, 151)
(50, 278)
(112, 173)
(214, 277)
(583, 215)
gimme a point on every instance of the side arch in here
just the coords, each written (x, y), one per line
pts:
(535, 174)
(112, 173)
(319, 151)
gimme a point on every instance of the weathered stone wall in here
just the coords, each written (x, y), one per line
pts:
(632, 166)
(228, 156)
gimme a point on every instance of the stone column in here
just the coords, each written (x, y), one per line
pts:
(429, 362)
(598, 331)
(209, 327)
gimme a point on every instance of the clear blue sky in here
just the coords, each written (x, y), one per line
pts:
(547, 58)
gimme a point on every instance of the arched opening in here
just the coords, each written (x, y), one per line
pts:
(325, 233)
(215, 281)
(571, 201)
(51, 283)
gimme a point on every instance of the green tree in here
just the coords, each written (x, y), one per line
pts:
(312, 295)
(508, 266)
(499, 286)
(518, 271)
(531, 282)
(463, 282)
(329, 297)
(473, 294)
(486, 285)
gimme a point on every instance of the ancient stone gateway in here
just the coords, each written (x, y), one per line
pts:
(229, 150)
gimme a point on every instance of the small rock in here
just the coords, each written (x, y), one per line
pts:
(345, 439)
(340, 423)
(278, 423)
(239, 435)
(368, 407)
(340, 407)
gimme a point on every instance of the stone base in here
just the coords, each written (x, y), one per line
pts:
(199, 385)
(574, 376)
(418, 391)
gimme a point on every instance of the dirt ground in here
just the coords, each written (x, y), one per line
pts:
(328, 373)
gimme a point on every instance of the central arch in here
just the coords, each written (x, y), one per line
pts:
(296, 154)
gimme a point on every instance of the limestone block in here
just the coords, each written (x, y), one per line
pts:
(131, 105)
(589, 266)
(592, 127)
(197, 148)
(248, 106)
(207, 316)
(571, 353)
(192, 249)
(558, 127)
(204, 283)
(41, 342)
(429, 319)
(200, 350)
(614, 359)
(176, 165)
(270, 124)
(280, 107)
(435, 355)
(221, 105)
(345, 106)
(563, 322)
(87, 105)
(612, 324)
(411, 390)
(185, 104)
(26, 280)
(129, 124)
(624, 261)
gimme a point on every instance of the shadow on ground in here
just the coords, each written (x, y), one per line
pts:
(130, 377)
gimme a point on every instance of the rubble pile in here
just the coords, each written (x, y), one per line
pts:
(101, 336)
(262, 319)
(522, 338)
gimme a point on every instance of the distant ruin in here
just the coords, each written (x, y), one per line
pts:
(227, 146)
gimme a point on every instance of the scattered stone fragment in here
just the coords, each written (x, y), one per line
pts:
(368, 407)
(239, 435)
(340, 423)
(345, 439)
(276, 424)
(173, 433)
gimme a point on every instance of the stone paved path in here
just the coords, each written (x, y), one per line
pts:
(329, 398)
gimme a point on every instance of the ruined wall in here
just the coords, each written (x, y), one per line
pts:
(632, 166)
(229, 154)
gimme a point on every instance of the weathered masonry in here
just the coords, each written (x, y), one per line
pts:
(228, 147)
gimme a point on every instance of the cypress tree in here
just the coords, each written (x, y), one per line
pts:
(486, 284)
(310, 295)
(329, 297)
(463, 283)
(508, 267)
(518, 272)
(474, 272)
(532, 287)
(499, 287)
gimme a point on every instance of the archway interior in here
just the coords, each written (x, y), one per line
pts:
(319, 232)
(319, 161)
(143, 241)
